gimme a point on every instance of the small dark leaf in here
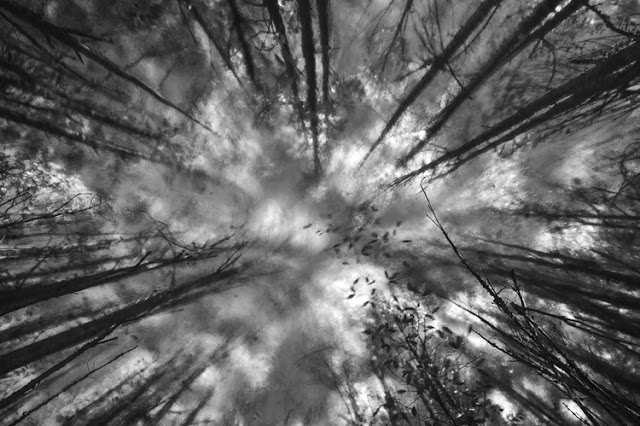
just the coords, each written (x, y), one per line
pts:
(436, 309)
(307, 226)
(351, 296)
(413, 409)
(407, 241)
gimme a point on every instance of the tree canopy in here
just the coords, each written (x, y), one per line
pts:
(310, 212)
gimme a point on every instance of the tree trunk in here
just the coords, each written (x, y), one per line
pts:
(290, 65)
(308, 51)
(509, 48)
(238, 23)
(323, 24)
(65, 339)
(609, 74)
(471, 24)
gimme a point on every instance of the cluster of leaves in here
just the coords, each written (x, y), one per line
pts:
(435, 382)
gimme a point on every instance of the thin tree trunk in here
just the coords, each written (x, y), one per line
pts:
(308, 51)
(49, 345)
(12, 300)
(67, 103)
(69, 386)
(193, 414)
(238, 23)
(52, 129)
(470, 25)
(323, 24)
(10, 399)
(290, 65)
(50, 30)
(211, 36)
(399, 29)
(509, 48)
(591, 83)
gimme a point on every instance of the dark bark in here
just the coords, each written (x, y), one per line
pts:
(69, 386)
(194, 413)
(52, 129)
(14, 299)
(308, 51)
(399, 30)
(614, 72)
(239, 25)
(213, 38)
(49, 345)
(66, 103)
(290, 64)
(32, 384)
(513, 45)
(323, 24)
(65, 38)
(439, 62)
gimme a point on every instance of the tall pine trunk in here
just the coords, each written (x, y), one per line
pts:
(439, 62)
(513, 45)
(290, 64)
(308, 51)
